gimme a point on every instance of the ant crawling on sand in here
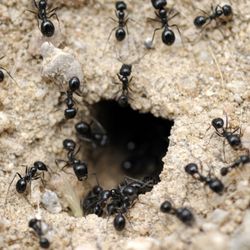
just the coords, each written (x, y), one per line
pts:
(37, 226)
(74, 87)
(217, 12)
(214, 183)
(120, 32)
(80, 168)
(43, 13)
(123, 75)
(31, 174)
(242, 160)
(93, 133)
(222, 130)
(164, 16)
(182, 213)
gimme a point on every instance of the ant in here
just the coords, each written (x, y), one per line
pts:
(163, 16)
(74, 86)
(30, 175)
(242, 160)
(125, 72)
(87, 133)
(182, 213)
(36, 225)
(225, 10)
(233, 139)
(47, 27)
(80, 168)
(120, 33)
(214, 183)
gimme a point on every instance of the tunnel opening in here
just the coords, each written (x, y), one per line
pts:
(137, 144)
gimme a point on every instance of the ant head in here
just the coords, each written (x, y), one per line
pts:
(227, 10)
(126, 70)
(199, 21)
(168, 36)
(47, 28)
(1, 75)
(166, 207)
(191, 168)
(40, 166)
(74, 84)
(185, 215)
(216, 185)
(82, 128)
(123, 101)
(42, 4)
(44, 242)
(120, 5)
(69, 144)
(234, 140)
(159, 4)
(218, 123)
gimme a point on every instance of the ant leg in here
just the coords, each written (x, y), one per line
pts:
(226, 119)
(153, 20)
(176, 14)
(9, 75)
(35, 4)
(174, 25)
(204, 12)
(5, 202)
(154, 34)
(125, 23)
(224, 151)
(54, 14)
(109, 37)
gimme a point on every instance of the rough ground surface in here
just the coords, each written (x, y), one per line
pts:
(190, 83)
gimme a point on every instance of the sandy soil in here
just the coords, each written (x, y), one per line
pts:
(191, 83)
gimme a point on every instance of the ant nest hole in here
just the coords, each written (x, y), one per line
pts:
(136, 144)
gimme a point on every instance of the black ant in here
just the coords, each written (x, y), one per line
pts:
(30, 175)
(47, 27)
(225, 10)
(163, 16)
(87, 133)
(74, 86)
(233, 138)
(120, 33)
(80, 168)
(182, 213)
(214, 183)
(123, 75)
(242, 160)
(36, 225)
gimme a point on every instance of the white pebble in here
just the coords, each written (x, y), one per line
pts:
(51, 202)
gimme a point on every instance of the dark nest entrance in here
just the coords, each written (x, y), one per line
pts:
(138, 142)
